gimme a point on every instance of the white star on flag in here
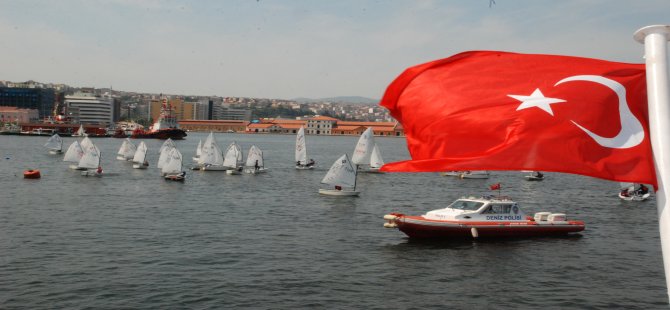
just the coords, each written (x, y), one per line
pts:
(536, 99)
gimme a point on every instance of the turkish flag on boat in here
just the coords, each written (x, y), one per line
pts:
(487, 110)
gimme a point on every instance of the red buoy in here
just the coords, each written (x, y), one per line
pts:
(31, 174)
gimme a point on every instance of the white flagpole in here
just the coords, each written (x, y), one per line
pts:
(655, 40)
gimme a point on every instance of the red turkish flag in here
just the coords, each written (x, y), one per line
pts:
(488, 110)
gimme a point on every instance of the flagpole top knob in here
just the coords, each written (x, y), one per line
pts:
(641, 33)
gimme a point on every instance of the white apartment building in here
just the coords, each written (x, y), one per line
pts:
(87, 108)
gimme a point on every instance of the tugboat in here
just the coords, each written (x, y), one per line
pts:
(485, 217)
(165, 127)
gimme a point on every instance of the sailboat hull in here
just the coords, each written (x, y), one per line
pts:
(335, 192)
(214, 168)
(233, 172)
(254, 171)
(304, 167)
(55, 152)
(140, 166)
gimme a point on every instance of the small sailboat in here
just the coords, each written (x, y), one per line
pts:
(634, 192)
(376, 160)
(172, 170)
(301, 162)
(535, 176)
(54, 144)
(73, 154)
(233, 159)
(80, 132)
(342, 175)
(255, 162)
(140, 158)
(367, 153)
(164, 152)
(90, 162)
(198, 152)
(211, 158)
(127, 150)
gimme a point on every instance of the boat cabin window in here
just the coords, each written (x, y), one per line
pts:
(466, 205)
(498, 209)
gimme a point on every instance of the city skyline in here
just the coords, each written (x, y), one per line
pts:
(291, 49)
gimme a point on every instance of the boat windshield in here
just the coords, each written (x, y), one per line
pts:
(466, 205)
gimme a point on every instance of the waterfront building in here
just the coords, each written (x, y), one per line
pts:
(213, 125)
(320, 125)
(85, 107)
(41, 99)
(18, 115)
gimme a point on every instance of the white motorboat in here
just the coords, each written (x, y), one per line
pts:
(475, 175)
(485, 217)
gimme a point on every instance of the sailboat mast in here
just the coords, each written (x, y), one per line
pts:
(355, 177)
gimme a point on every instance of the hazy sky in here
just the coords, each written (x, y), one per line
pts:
(288, 49)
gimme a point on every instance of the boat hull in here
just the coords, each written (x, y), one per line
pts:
(635, 197)
(55, 152)
(254, 171)
(534, 178)
(178, 177)
(214, 168)
(419, 227)
(335, 192)
(304, 167)
(163, 134)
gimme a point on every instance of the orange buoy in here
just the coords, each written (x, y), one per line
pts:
(31, 174)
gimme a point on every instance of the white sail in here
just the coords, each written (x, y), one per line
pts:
(85, 143)
(211, 153)
(198, 150)
(91, 158)
(80, 132)
(174, 162)
(233, 157)
(74, 153)
(140, 153)
(167, 145)
(363, 148)
(127, 150)
(164, 156)
(300, 147)
(54, 143)
(376, 160)
(341, 173)
(255, 154)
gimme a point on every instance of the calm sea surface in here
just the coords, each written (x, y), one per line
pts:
(133, 240)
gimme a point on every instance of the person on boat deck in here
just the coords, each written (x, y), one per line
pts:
(297, 163)
(539, 174)
(337, 187)
(256, 166)
(99, 171)
(642, 190)
(145, 163)
(624, 192)
(310, 163)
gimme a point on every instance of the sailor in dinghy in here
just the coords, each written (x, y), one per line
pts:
(342, 175)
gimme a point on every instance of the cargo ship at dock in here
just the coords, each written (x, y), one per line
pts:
(166, 127)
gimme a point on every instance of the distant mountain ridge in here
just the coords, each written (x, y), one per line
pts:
(341, 99)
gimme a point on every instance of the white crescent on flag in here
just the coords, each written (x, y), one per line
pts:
(631, 133)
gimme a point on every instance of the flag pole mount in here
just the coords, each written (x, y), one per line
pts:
(655, 40)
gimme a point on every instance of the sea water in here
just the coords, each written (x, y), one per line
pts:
(133, 240)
